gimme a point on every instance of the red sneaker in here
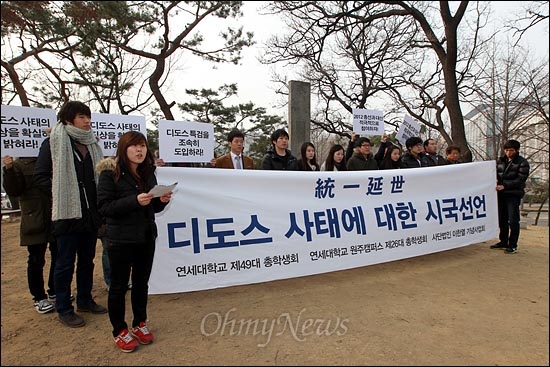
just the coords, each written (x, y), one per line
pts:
(142, 333)
(125, 341)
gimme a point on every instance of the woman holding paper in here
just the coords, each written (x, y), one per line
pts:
(129, 211)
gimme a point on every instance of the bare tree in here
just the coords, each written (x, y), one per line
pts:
(512, 100)
(508, 92)
(28, 30)
(54, 45)
(342, 58)
(423, 63)
(107, 76)
(534, 12)
(169, 28)
(118, 48)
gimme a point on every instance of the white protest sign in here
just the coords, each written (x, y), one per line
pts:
(24, 128)
(109, 128)
(408, 128)
(368, 122)
(184, 141)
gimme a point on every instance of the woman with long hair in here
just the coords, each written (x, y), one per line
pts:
(336, 160)
(129, 212)
(392, 158)
(307, 161)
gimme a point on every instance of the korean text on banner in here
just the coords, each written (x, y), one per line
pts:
(228, 227)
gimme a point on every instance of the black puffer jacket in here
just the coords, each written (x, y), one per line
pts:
(85, 175)
(512, 175)
(409, 161)
(126, 220)
(273, 161)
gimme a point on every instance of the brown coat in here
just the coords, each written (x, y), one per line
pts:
(226, 162)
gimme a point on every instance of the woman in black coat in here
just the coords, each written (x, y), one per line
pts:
(392, 158)
(129, 212)
(308, 159)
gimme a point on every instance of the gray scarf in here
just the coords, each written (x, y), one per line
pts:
(65, 192)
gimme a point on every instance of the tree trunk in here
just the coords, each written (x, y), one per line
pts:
(21, 92)
(155, 89)
(540, 209)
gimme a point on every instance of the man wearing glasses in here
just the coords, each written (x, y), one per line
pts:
(363, 159)
(414, 156)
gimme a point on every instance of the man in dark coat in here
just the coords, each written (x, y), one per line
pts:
(35, 228)
(512, 173)
(65, 169)
(363, 159)
(430, 151)
(279, 158)
(414, 156)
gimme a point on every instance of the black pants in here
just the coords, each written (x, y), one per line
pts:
(35, 269)
(508, 220)
(126, 259)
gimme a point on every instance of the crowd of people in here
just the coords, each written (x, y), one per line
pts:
(67, 193)
(71, 195)
(356, 157)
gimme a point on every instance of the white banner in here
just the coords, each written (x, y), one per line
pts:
(232, 227)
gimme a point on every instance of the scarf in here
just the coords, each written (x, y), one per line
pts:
(65, 192)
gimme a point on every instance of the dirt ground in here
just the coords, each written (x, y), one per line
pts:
(468, 306)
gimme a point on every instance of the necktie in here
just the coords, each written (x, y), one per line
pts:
(238, 164)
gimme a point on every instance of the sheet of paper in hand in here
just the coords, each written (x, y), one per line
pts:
(160, 190)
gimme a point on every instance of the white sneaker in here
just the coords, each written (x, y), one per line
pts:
(43, 306)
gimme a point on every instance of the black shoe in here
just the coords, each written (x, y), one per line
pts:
(511, 250)
(92, 307)
(497, 245)
(71, 319)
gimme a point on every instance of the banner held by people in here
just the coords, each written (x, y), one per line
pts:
(231, 227)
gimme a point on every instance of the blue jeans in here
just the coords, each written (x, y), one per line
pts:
(68, 247)
(508, 220)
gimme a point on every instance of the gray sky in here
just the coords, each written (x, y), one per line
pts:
(253, 78)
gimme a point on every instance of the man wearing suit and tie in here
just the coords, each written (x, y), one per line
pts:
(235, 158)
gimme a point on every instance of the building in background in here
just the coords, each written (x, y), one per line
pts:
(487, 128)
